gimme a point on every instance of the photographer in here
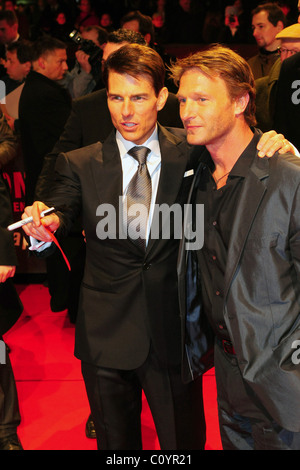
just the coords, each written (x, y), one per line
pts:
(83, 78)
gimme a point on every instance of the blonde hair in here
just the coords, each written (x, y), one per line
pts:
(220, 61)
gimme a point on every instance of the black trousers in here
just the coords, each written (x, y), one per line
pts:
(115, 398)
(244, 423)
(9, 405)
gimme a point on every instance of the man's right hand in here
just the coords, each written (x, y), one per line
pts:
(36, 229)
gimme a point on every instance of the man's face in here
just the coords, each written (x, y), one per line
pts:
(289, 48)
(109, 48)
(7, 33)
(185, 5)
(133, 106)
(55, 64)
(207, 112)
(264, 31)
(15, 70)
(133, 25)
(91, 35)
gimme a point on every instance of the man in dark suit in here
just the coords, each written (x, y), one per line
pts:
(43, 108)
(9, 33)
(128, 326)
(249, 292)
(90, 120)
(9, 406)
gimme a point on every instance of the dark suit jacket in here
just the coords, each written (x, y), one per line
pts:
(43, 110)
(128, 298)
(90, 122)
(262, 287)
(287, 108)
(10, 307)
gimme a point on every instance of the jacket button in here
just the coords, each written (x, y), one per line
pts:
(146, 266)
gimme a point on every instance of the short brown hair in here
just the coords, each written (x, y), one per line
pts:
(136, 61)
(275, 13)
(222, 62)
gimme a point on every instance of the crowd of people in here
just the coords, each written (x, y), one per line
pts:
(75, 73)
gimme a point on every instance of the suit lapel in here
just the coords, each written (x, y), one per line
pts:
(245, 215)
(106, 171)
(174, 155)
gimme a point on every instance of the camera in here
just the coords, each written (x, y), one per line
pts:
(89, 47)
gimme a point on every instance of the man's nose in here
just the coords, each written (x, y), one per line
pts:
(127, 107)
(187, 110)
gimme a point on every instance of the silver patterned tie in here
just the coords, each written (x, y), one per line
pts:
(139, 192)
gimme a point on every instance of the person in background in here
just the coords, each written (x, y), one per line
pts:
(44, 108)
(267, 87)
(9, 405)
(9, 33)
(86, 73)
(87, 16)
(106, 22)
(232, 33)
(267, 21)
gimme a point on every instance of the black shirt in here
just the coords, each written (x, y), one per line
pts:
(219, 213)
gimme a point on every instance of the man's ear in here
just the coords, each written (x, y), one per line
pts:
(147, 38)
(162, 98)
(41, 63)
(241, 104)
(27, 66)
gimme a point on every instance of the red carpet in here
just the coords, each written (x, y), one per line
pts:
(51, 391)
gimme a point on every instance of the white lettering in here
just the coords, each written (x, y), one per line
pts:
(296, 94)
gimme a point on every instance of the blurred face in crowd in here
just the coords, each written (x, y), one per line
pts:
(265, 32)
(9, 6)
(85, 6)
(8, 33)
(185, 5)
(54, 64)
(288, 48)
(91, 35)
(109, 48)
(15, 70)
(61, 18)
(105, 20)
(133, 25)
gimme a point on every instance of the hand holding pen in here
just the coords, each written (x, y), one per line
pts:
(37, 220)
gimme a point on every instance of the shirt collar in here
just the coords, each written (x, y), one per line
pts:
(152, 143)
(243, 163)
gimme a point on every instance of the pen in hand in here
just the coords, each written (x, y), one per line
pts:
(30, 219)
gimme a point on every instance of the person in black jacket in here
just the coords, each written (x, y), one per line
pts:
(287, 107)
(44, 108)
(9, 406)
